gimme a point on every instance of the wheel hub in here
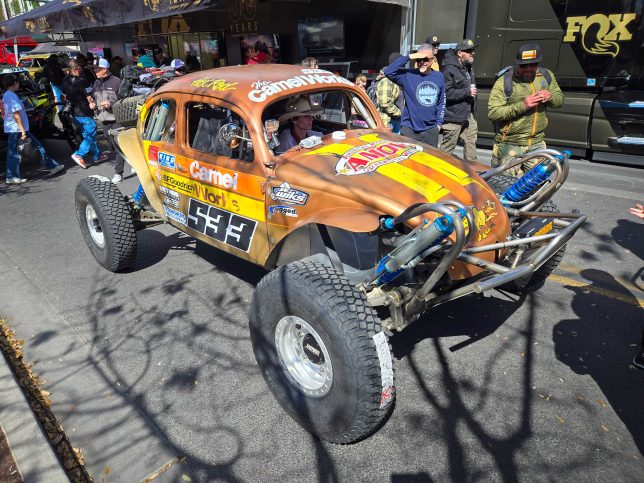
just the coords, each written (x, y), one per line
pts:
(94, 226)
(303, 356)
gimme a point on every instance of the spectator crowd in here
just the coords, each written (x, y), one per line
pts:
(414, 95)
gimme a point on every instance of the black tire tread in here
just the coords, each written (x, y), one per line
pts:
(360, 322)
(119, 227)
(126, 110)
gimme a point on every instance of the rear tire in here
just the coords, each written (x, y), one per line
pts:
(106, 223)
(322, 351)
(534, 282)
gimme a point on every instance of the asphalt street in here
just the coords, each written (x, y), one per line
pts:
(156, 364)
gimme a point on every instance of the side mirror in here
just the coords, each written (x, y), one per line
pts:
(229, 135)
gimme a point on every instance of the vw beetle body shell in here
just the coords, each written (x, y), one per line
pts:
(248, 209)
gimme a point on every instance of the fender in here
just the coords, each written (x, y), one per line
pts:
(130, 146)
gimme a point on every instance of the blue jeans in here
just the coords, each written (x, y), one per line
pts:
(13, 158)
(58, 94)
(395, 125)
(89, 144)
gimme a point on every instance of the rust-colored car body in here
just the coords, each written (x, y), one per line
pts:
(345, 183)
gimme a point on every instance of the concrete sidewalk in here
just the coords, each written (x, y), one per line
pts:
(84, 398)
(34, 456)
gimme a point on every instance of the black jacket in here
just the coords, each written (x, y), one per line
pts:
(76, 89)
(457, 89)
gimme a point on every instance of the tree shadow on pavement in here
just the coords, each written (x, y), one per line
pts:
(475, 316)
(601, 343)
(456, 416)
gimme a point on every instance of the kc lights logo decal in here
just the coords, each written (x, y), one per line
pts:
(369, 157)
(600, 33)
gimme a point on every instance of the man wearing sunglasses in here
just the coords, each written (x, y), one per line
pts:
(518, 110)
(424, 93)
(460, 92)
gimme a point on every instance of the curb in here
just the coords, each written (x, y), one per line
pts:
(31, 450)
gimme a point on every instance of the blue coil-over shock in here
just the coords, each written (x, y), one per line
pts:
(530, 181)
(425, 236)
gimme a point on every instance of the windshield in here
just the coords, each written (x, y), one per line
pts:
(315, 114)
(26, 63)
(27, 84)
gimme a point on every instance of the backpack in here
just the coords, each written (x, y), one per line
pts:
(508, 72)
(129, 76)
(372, 92)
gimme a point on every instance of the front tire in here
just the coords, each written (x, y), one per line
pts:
(322, 352)
(106, 223)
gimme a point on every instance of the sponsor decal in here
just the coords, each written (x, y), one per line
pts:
(181, 168)
(369, 157)
(427, 93)
(483, 219)
(217, 85)
(166, 160)
(386, 368)
(170, 197)
(175, 215)
(223, 226)
(153, 153)
(213, 176)
(209, 194)
(288, 195)
(262, 90)
(183, 185)
(282, 210)
(600, 33)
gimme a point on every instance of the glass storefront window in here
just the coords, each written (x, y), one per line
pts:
(212, 50)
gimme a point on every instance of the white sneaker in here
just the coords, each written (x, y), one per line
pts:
(117, 178)
(16, 180)
(56, 169)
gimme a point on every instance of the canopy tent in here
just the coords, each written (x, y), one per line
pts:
(73, 15)
(51, 47)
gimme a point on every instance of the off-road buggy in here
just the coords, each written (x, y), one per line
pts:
(362, 231)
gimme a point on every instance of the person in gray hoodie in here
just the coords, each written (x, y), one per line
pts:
(105, 93)
(460, 91)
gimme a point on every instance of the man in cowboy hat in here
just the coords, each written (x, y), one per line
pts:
(517, 106)
(300, 112)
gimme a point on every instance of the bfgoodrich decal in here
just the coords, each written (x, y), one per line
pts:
(223, 226)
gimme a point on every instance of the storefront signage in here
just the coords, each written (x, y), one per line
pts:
(168, 25)
(242, 16)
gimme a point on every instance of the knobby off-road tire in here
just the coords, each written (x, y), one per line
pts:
(500, 183)
(106, 223)
(126, 110)
(322, 351)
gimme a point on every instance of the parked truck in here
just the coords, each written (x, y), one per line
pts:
(594, 47)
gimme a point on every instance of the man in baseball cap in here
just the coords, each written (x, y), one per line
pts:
(179, 66)
(435, 43)
(517, 106)
(105, 93)
(460, 92)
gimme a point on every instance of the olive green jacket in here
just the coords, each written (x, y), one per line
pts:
(514, 124)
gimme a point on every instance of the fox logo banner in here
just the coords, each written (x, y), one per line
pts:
(600, 33)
